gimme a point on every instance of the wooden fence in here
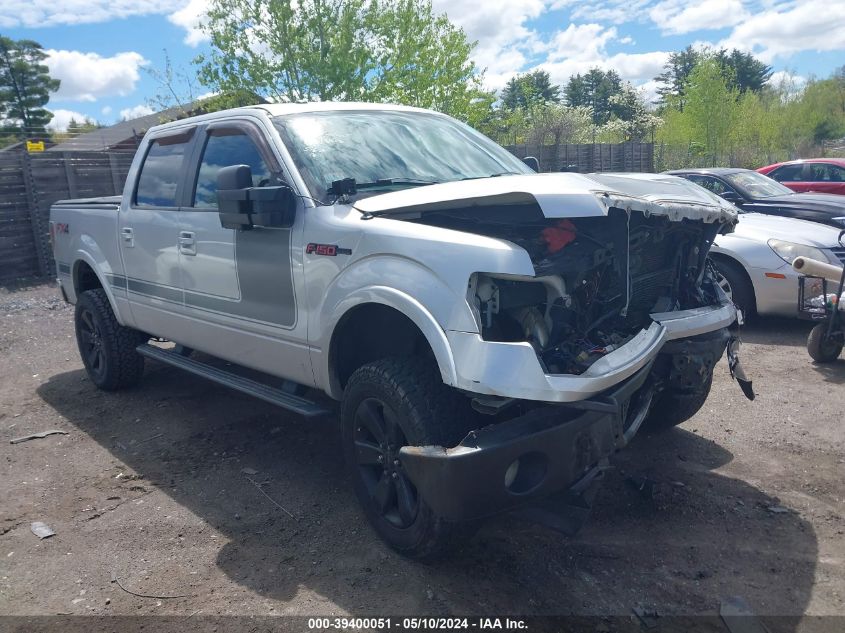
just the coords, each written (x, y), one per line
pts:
(30, 183)
(590, 157)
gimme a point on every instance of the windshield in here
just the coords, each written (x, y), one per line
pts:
(399, 148)
(756, 185)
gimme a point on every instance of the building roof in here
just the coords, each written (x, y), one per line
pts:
(130, 132)
(105, 138)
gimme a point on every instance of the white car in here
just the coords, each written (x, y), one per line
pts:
(754, 261)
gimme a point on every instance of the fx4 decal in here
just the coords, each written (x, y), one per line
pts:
(330, 250)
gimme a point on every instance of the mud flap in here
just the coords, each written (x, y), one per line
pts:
(737, 372)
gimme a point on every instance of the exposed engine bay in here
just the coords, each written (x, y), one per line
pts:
(598, 279)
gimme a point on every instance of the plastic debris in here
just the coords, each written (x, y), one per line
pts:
(41, 530)
(249, 471)
(37, 436)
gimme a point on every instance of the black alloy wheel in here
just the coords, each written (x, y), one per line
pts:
(378, 438)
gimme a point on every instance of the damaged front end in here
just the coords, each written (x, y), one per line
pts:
(597, 283)
(622, 311)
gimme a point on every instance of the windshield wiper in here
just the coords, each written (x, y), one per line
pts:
(386, 182)
(504, 173)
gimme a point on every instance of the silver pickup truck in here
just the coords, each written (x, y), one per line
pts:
(492, 334)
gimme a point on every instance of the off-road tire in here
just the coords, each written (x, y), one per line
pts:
(821, 348)
(672, 407)
(116, 364)
(427, 413)
(741, 289)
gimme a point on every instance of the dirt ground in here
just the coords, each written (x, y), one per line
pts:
(183, 488)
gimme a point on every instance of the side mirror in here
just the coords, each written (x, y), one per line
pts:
(243, 206)
(532, 162)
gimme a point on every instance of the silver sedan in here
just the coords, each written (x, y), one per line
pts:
(754, 262)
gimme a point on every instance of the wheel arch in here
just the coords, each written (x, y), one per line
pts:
(725, 257)
(86, 275)
(389, 323)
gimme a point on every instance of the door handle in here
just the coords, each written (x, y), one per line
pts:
(128, 236)
(187, 243)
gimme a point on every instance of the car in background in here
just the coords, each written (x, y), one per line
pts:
(821, 175)
(753, 192)
(754, 262)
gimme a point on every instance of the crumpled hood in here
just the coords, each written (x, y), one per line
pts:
(562, 195)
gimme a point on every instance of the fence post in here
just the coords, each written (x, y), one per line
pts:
(40, 229)
(115, 178)
(70, 175)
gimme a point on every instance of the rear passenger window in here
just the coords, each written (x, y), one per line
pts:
(223, 151)
(160, 173)
(789, 173)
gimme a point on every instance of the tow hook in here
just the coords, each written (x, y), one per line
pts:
(737, 372)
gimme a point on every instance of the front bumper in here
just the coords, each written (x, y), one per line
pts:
(554, 446)
(512, 370)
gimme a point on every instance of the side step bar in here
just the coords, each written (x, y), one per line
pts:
(280, 398)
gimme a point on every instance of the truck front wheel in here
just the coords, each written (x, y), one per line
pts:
(674, 406)
(388, 404)
(107, 348)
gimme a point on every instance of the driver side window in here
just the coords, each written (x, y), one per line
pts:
(222, 151)
(712, 184)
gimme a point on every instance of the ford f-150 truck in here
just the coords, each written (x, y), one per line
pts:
(493, 335)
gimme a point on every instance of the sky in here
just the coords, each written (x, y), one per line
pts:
(103, 50)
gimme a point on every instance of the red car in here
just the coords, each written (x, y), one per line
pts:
(823, 175)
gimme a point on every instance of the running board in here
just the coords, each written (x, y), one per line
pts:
(280, 398)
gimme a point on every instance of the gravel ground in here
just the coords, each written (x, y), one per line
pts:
(183, 488)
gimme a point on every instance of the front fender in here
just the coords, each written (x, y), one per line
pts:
(414, 291)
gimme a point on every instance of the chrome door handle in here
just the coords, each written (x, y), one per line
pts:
(128, 236)
(187, 243)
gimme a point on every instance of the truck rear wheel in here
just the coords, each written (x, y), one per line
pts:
(106, 347)
(388, 404)
(672, 407)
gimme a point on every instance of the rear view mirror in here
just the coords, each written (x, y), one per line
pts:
(532, 162)
(243, 206)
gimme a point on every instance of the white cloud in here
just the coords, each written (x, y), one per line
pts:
(584, 46)
(61, 119)
(89, 76)
(134, 112)
(38, 13)
(505, 43)
(106, 110)
(190, 18)
(675, 17)
(780, 31)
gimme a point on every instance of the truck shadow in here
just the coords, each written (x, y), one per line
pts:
(698, 537)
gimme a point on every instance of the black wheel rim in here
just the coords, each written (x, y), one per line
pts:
(91, 343)
(378, 438)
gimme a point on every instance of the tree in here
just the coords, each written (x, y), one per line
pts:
(632, 120)
(676, 72)
(743, 71)
(593, 90)
(25, 87)
(364, 50)
(532, 88)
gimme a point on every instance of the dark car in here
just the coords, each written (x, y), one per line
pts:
(755, 192)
